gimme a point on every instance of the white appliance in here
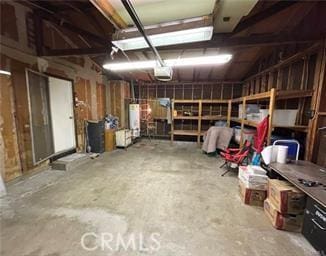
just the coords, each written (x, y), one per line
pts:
(163, 73)
(123, 138)
(134, 120)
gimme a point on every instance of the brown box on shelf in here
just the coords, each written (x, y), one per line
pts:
(109, 140)
(289, 222)
(252, 196)
(286, 197)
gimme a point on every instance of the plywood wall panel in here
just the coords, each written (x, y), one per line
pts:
(101, 103)
(10, 165)
(119, 93)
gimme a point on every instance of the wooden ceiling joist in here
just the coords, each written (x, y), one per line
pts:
(110, 13)
(76, 51)
(73, 28)
(264, 14)
(217, 41)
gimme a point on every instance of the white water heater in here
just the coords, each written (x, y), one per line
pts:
(134, 120)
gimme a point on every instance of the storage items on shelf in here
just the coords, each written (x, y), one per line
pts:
(248, 134)
(111, 122)
(281, 117)
(250, 109)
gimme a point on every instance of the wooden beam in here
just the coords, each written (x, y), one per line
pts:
(75, 51)
(109, 13)
(38, 26)
(226, 41)
(264, 14)
(297, 56)
(218, 41)
(73, 28)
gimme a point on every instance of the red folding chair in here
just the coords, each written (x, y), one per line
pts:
(261, 134)
(235, 156)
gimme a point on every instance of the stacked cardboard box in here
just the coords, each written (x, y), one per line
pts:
(253, 185)
(284, 205)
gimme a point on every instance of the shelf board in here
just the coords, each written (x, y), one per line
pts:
(185, 132)
(255, 123)
(160, 118)
(250, 123)
(214, 117)
(303, 128)
(292, 94)
(235, 119)
(186, 117)
(186, 101)
(214, 101)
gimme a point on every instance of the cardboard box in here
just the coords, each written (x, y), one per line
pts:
(289, 222)
(254, 177)
(286, 197)
(252, 196)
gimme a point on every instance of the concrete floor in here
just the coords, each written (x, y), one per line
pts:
(174, 191)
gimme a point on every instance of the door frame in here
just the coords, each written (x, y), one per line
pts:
(47, 75)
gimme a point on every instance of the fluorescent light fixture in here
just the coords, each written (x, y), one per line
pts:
(197, 61)
(132, 65)
(169, 38)
(180, 62)
(4, 72)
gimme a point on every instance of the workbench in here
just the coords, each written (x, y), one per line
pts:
(304, 170)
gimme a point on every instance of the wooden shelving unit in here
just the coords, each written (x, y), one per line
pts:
(200, 117)
(269, 97)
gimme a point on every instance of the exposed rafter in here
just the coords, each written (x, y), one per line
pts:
(217, 41)
(73, 28)
(264, 14)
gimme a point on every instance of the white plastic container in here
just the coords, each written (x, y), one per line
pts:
(282, 153)
(250, 108)
(281, 117)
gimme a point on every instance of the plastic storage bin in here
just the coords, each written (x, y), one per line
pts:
(281, 117)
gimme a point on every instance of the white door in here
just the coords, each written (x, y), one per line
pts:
(62, 114)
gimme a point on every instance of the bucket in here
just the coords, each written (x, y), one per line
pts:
(282, 153)
(274, 153)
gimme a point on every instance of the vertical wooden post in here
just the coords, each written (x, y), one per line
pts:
(229, 113)
(242, 120)
(270, 81)
(279, 78)
(270, 112)
(172, 121)
(316, 101)
(199, 121)
(39, 37)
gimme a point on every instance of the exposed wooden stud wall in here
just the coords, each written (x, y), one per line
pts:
(189, 91)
